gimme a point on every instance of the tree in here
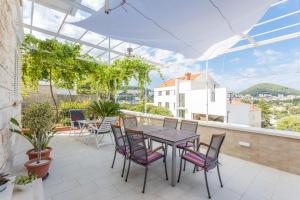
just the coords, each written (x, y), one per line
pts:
(51, 61)
(291, 123)
(265, 112)
(62, 65)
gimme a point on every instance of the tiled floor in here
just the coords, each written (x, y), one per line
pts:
(81, 171)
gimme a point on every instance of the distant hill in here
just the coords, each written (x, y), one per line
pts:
(270, 88)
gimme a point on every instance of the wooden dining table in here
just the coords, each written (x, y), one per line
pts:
(171, 137)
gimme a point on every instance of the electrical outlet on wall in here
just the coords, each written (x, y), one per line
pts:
(244, 144)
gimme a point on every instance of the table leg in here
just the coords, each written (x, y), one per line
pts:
(173, 175)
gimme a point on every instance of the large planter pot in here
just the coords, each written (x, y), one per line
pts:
(41, 169)
(32, 154)
(63, 128)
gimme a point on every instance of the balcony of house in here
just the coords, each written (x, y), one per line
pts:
(254, 164)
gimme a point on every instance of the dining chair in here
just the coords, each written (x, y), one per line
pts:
(170, 123)
(121, 145)
(76, 115)
(130, 122)
(190, 126)
(141, 155)
(207, 161)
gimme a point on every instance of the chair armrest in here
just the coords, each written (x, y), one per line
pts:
(192, 151)
(158, 148)
(202, 144)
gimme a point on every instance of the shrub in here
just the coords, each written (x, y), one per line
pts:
(38, 119)
(152, 109)
(64, 107)
(103, 109)
(291, 123)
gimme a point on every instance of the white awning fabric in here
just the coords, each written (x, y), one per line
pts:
(195, 28)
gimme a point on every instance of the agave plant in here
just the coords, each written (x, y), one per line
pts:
(104, 109)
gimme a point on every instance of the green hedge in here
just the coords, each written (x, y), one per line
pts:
(64, 107)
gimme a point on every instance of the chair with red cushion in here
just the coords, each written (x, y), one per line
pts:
(206, 161)
(190, 126)
(139, 153)
(121, 145)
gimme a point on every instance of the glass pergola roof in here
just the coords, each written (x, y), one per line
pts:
(47, 19)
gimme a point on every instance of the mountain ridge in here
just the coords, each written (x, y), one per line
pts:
(273, 89)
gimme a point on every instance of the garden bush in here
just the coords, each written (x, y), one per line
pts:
(64, 107)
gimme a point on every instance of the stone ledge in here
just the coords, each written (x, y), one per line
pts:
(236, 127)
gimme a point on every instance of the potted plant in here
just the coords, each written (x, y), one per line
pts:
(39, 122)
(102, 109)
(23, 182)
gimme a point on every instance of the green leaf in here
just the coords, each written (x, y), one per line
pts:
(14, 121)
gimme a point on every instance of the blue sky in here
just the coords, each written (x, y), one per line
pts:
(275, 63)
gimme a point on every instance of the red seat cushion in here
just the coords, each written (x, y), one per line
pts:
(152, 156)
(184, 145)
(197, 159)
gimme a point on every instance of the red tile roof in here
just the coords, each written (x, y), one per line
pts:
(187, 76)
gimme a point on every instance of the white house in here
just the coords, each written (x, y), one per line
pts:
(186, 97)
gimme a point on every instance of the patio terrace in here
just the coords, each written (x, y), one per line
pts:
(80, 171)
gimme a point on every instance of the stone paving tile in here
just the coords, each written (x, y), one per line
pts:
(80, 171)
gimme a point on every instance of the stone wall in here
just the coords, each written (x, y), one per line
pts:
(11, 33)
(273, 148)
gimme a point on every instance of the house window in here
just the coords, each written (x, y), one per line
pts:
(213, 94)
(167, 92)
(159, 93)
(181, 100)
(159, 103)
(174, 105)
(181, 114)
(167, 105)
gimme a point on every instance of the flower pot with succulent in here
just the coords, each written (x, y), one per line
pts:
(38, 119)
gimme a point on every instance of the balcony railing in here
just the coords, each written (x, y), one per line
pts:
(273, 148)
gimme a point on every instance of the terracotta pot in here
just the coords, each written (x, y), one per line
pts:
(41, 169)
(32, 154)
(62, 128)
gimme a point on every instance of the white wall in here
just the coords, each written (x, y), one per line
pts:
(238, 114)
(195, 101)
(171, 99)
(10, 76)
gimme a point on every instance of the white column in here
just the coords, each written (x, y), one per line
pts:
(109, 50)
(206, 77)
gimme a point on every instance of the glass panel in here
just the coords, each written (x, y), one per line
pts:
(27, 11)
(96, 52)
(26, 31)
(93, 4)
(181, 100)
(46, 18)
(92, 37)
(112, 43)
(80, 15)
(42, 36)
(72, 31)
(84, 49)
(64, 40)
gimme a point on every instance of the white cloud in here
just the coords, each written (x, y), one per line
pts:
(285, 73)
(266, 57)
(233, 60)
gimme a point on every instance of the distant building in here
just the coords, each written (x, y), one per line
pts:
(186, 97)
(131, 95)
